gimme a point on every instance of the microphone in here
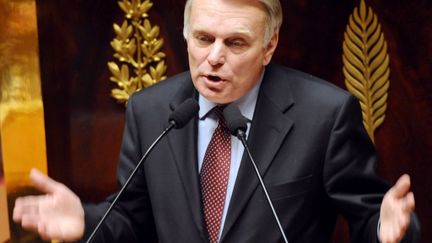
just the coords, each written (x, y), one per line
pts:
(183, 113)
(177, 119)
(237, 125)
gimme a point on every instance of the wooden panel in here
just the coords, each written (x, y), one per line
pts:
(84, 125)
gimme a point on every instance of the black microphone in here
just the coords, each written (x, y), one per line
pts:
(178, 119)
(237, 125)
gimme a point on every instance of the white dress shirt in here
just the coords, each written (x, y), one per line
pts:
(207, 125)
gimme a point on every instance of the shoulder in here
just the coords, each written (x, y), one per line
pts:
(305, 88)
(164, 89)
(157, 99)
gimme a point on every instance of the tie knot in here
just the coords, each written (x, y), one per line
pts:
(218, 111)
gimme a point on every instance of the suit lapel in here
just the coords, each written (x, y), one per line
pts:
(269, 128)
(183, 144)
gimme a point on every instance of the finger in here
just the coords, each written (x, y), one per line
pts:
(402, 186)
(42, 231)
(17, 211)
(45, 233)
(24, 206)
(42, 182)
(410, 202)
(402, 226)
(30, 222)
(53, 232)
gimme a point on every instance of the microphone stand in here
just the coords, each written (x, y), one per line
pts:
(242, 137)
(171, 126)
(178, 118)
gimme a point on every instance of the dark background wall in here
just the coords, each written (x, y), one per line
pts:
(84, 124)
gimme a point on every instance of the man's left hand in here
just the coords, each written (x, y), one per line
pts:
(396, 209)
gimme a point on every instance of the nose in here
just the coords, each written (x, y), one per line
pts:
(216, 55)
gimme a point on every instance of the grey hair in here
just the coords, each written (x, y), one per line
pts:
(273, 19)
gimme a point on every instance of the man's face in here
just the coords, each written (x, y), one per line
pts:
(226, 47)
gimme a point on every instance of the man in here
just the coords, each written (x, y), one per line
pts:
(305, 134)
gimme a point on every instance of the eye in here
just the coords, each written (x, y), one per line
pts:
(236, 43)
(204, 39)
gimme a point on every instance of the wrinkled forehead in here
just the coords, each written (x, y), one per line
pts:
(243, 15)
(227, 5)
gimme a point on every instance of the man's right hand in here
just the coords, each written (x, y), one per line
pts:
(56, 215)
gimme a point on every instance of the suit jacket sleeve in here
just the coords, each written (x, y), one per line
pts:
(350, 179)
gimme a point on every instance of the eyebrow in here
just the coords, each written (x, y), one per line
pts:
(242, 31)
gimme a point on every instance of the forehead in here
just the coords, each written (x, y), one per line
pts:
(228, 15)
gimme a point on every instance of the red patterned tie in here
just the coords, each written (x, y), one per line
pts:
(214, 176)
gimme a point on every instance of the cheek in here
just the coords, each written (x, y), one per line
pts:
(196, 54)
(248, 66)
(193, 60)
(191, 55)
(247, 71)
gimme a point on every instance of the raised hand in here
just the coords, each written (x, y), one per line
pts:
(56, 215)
(396, 209)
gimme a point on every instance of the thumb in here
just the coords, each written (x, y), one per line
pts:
(42, 182)
(402, 186)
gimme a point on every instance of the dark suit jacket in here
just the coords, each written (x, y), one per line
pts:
(309, 143)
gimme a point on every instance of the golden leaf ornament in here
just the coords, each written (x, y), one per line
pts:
(139, 59)
(366, 65)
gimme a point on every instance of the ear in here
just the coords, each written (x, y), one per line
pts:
(270, 48)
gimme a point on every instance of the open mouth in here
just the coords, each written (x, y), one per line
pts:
(214, 78)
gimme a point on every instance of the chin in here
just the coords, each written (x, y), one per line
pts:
(220, 100)
(216, 98)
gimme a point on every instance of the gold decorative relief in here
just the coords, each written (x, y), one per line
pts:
(140, 61)
(366, 65)
(22, 126)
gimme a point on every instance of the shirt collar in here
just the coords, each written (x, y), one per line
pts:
(246, 104)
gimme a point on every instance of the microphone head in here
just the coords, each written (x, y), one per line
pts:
(183, 113)
(235, 121)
